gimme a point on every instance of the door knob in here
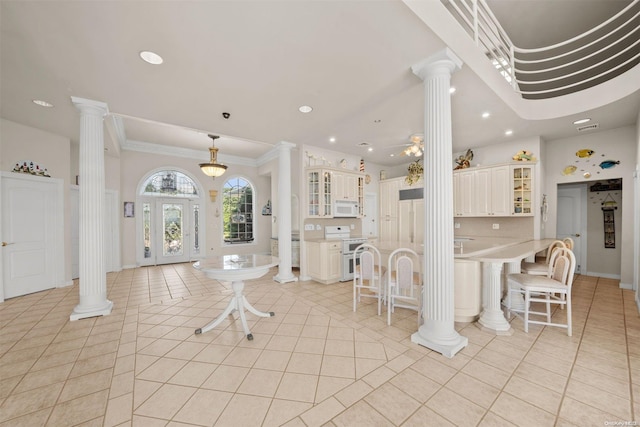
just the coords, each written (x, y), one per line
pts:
(6, 244)
(577, 235)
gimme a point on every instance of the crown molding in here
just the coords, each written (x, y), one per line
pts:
(188, 153)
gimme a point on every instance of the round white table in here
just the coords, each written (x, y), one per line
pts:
(236, 269)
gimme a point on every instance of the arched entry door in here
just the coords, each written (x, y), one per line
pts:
(170, 229)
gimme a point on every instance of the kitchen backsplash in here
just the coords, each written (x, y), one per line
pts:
(319, 234)
(508, 227)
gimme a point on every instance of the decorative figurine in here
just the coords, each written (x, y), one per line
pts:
(464, 161)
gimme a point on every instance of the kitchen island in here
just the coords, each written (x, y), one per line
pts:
(478, 265)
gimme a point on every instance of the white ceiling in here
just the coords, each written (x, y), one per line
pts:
(261, 60)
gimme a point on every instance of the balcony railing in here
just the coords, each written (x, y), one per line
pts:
(589, 59)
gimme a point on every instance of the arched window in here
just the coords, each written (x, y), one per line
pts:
(169, 183)
(237, 208)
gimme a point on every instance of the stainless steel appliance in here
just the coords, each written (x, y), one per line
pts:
(349, 245)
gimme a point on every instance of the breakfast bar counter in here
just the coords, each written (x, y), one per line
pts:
(478, 275)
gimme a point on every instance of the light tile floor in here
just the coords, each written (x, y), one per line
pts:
(315, 363)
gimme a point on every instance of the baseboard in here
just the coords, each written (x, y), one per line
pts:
(603, 275)
(627, 286)
(125, 267)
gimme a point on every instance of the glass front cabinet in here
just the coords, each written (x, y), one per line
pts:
(319, 183)
(522, 190)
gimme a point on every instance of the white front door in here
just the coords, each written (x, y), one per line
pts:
(32, 234)
(572, 201)
(172, 241)
(169, 230)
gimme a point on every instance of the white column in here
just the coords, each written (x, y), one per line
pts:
(492, 319)
(438, 332)
(93, 277)
(284, 214)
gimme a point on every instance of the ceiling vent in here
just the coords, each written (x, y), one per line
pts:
(588, 127)
(363, 144)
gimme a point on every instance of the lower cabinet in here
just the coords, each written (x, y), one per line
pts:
(467, 285)
(324, 261)
(295, 251)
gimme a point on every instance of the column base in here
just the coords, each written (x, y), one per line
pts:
(281, 279)
(495, 323)
(84, 313)
(447, 348)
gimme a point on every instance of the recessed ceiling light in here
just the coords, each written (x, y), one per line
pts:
(581, 121)
(486, 115)
(508, 132)
(332, 139)
(392, 155)
(452, 90)
(151, 57)
(42, 103)
(370, 149)
(305, 109)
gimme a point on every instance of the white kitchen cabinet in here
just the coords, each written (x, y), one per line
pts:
(319, 187)
(464, 193)
(483, 191)
(346, 187)
(325, 185)
(411, 221)
(492, 187)
(324, 261)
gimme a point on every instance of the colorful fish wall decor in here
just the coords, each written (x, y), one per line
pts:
(608, 164)
(585, 153)
(569, 170)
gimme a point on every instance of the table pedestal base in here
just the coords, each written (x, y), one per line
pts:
(238, 302)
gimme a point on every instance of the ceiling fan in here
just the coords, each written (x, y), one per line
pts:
(415, 147)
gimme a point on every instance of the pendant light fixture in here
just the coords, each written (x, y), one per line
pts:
(213, 168)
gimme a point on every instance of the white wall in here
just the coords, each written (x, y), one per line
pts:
(136, 165)
(618, 144)
(19, 142)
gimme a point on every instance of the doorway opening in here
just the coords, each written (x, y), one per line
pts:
(580, 216)
(169, 226)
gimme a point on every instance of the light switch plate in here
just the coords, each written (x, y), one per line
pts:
(496, 226)
(457, 225)
(318, 227)
(308, 227)
(352, 226)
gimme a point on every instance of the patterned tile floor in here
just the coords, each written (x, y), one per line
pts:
(316, 363)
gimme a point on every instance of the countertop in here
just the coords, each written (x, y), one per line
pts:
(471, 247)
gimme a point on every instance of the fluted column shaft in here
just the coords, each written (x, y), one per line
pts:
(438, 332)
(285, 274)
(93, 278)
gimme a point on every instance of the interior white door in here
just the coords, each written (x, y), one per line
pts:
(172, 243)
(370, 220)
(572, 201)
(32, 237)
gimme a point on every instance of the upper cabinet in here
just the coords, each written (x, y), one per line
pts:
(522, 190)
(325, 186)
(503, 190)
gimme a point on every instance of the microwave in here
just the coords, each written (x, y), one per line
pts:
(345, 208)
